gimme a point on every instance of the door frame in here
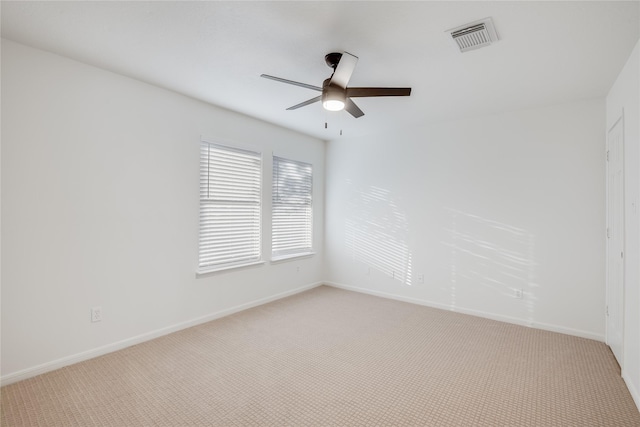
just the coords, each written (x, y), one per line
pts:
(619, 121)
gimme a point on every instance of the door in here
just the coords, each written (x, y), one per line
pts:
(615, 240)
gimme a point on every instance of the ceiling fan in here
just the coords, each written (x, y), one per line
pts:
(336, 95)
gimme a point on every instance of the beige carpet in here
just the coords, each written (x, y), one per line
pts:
(329, 357)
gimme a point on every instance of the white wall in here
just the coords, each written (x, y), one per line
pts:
(480, 208)
(625, 96)
(100, 208)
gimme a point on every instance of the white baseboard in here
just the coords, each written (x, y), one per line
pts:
(109, 348)
(632, 389)
(487, 315)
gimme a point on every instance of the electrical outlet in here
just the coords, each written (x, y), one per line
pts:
(517, 293)
(298, 269)
(96, 314)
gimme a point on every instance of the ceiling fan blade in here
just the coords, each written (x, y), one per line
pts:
(352, 108)
(344, 70)
(291, 82)
(302, 104)
(378, 91)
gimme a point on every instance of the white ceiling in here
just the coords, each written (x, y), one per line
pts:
(548, 53)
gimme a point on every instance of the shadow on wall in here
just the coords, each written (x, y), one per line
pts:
(492, 255)
(376, 232)
(488, 260)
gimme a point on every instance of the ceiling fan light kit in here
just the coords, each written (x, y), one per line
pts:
(333, 97)
(333, 105)
(336, 96)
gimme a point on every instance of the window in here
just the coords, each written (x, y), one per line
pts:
(230, 192)
(292, 211)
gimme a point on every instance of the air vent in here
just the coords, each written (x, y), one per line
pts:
(474, 35)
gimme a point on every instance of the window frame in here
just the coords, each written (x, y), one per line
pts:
(231, 149)
(300, 251)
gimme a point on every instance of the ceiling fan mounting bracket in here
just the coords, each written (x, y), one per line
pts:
(332, 59)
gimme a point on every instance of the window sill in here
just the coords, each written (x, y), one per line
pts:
(213, 270)
(283, 258)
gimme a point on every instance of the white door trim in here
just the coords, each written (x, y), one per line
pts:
(615, 245)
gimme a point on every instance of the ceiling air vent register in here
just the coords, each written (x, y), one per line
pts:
(474, 35)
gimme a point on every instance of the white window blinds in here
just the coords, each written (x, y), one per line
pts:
(230, 192)
(291, 208)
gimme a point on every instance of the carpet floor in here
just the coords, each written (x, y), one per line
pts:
(329, 357)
